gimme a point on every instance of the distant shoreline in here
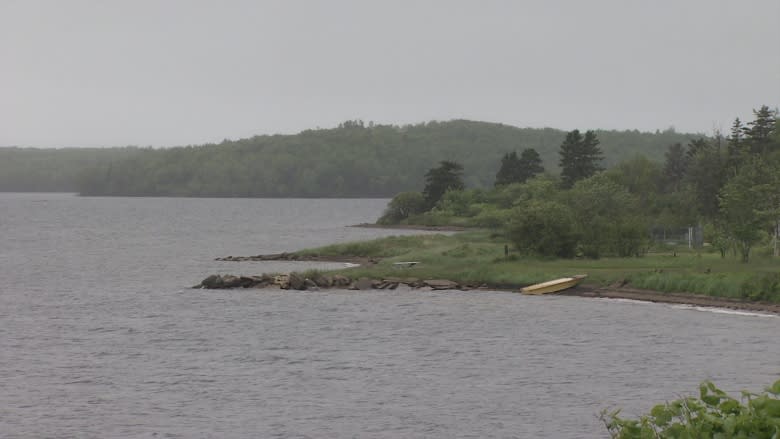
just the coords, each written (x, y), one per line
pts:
(411, 227)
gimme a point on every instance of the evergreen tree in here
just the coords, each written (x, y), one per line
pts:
(447, 176)
(510, 170)
(530, 165)
(696, 147)
(706, 173)
(759, 131)
(675, 167)
(580, 157)
(736, 146)
(519, 170)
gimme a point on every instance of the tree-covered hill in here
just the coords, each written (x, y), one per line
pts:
(53, 170)
(352, 160)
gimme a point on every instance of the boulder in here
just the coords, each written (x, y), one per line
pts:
(283, 280)
(441, 284)
(247, 281)
(297, 281)
(364, 283)
(341, 281)
(212, 282)
(323, 281)
(413, 282)
(392, 280)
(230, 281)
(310, 284)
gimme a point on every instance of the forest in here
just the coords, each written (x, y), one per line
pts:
(355, 159)
(53, 170)
(722, 189)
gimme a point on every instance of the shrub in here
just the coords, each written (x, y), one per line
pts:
(544, 228)
(714, 414)
(761, 287)
(492, 217)
(401, 207)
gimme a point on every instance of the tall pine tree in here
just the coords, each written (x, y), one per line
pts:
(510, 170)
(675, 167)
(447, 176)
(580, 157)
(519, 170)
(530, 164)
(736, 151)
(760, 130)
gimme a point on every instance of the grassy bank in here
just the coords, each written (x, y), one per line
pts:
(477, 257)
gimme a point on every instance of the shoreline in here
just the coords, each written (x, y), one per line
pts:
(411, 227)
(585, 290)
(594, 291)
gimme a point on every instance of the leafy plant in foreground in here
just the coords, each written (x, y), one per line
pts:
(714, 414)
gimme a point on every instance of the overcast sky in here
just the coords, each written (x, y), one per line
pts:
(163, 73)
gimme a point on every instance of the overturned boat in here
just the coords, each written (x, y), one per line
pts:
(553, 286)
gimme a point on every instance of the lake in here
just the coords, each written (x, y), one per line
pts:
(101, 336)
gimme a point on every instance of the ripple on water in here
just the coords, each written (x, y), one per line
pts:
(101, 338)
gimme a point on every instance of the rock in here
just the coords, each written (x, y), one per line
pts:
(441, 284)
(364, 283)
(323, 281)
(309, 284)
(246, 281)
(413, 282)
(230, 281)
(212, 282)
(262, 283)
(297, 281)
(283, 280)
(341, 281)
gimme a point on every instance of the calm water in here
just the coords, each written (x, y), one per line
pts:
(100, 336)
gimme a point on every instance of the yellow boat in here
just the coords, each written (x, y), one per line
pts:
(554, 286)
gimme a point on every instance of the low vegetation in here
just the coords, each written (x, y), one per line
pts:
(485, 257)
(714, 414)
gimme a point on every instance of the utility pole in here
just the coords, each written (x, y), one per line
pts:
(690, 237)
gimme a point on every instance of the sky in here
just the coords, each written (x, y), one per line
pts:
(176, 72)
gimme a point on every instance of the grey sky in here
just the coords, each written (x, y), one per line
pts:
(101, 73)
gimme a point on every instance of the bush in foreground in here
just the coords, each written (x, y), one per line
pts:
(714, 414)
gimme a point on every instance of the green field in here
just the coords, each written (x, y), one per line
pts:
(477, 257)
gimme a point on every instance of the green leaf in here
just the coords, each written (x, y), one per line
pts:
(775, 389)
(661, 415)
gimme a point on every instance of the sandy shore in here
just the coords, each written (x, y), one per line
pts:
(678, 298)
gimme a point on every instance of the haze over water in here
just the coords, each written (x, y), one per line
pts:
(101, 336)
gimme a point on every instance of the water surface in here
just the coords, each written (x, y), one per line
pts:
(100, 335)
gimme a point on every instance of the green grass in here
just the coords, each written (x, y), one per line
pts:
(477, 257)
